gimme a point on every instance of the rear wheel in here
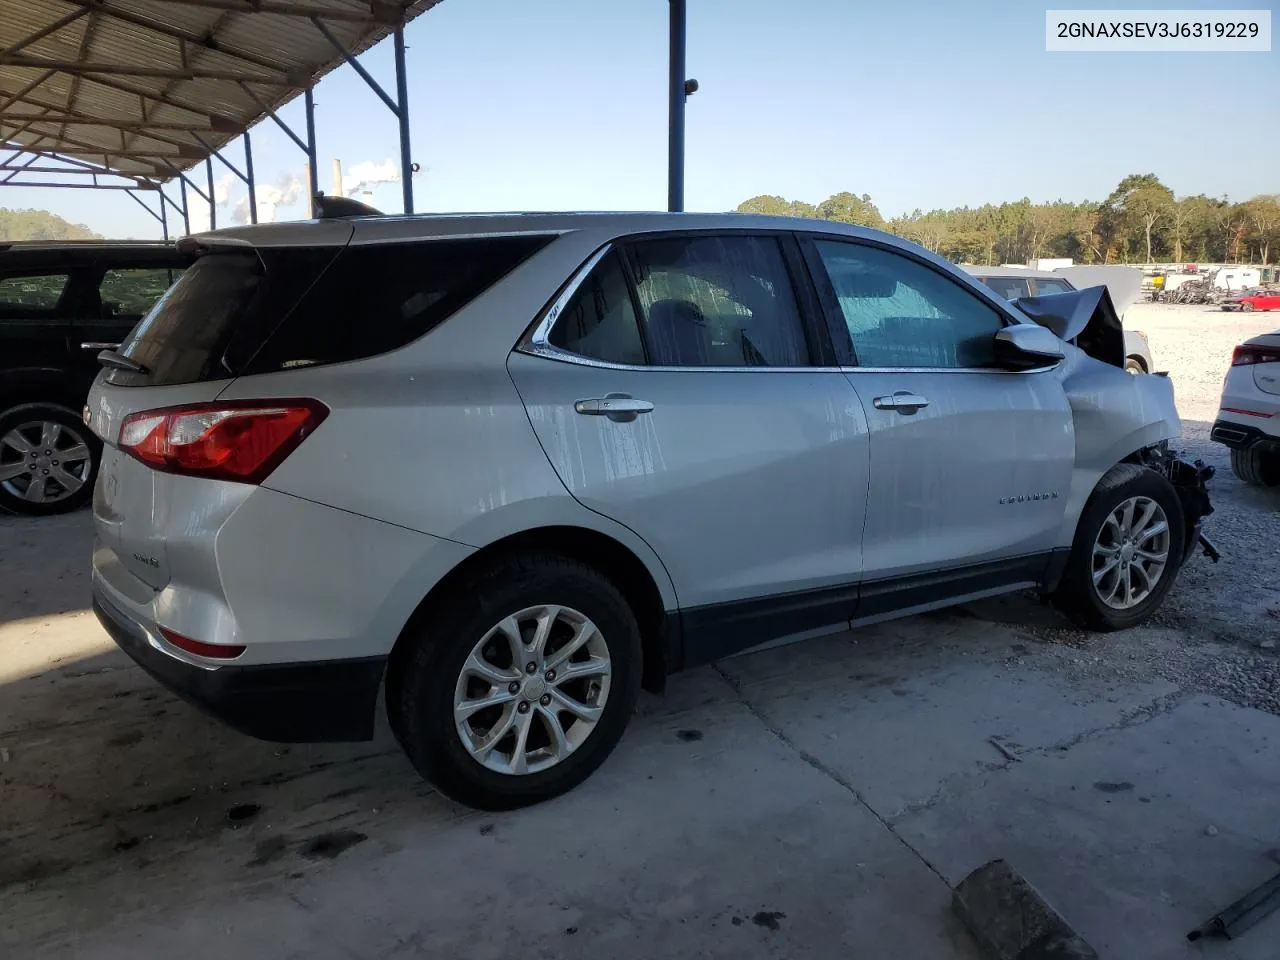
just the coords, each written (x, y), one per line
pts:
(520, 685)
(48, 459)
(1258, 466)
(1127, 550)
(1247, 307)
(1134, 365)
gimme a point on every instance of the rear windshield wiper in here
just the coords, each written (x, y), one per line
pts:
(118, 361)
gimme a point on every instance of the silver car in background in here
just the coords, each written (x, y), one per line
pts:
(1015, 283)
(507, 470)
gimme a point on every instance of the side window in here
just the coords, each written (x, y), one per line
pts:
(902, 313)
(599, 321)
(1044, 287)
(40, 292)
(722, 301)
(129, 292)
(379, 297)
(1010, 288)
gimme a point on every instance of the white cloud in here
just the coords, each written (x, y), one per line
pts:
(364, 176)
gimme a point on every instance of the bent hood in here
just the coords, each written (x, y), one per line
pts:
(1087, 318)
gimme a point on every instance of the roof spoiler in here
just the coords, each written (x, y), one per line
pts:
(335, 208)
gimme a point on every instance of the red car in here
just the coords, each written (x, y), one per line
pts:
(1249, 300)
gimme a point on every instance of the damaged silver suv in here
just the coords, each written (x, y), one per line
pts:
(508, 470)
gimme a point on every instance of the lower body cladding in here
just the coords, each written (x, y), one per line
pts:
(322, 701)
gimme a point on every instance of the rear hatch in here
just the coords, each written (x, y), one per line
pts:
(186, 350)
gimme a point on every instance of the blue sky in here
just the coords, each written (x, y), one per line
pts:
(561, 104)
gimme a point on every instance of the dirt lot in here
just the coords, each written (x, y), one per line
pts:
(813, 800)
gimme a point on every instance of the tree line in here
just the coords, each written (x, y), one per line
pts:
(1140, 222)
(40, 225)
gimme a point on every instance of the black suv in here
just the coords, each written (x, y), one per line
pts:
(60, 305)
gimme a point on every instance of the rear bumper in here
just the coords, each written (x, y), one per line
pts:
(1239, 436)
(312, 702)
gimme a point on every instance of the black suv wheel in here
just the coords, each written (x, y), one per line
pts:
(48, 459)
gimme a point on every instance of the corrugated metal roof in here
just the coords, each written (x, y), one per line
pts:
(146, 88)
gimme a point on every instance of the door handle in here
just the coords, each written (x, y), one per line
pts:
(618, 407)
(96, 345)
(902, 401)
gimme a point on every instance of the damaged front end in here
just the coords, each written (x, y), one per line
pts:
(1190, 480)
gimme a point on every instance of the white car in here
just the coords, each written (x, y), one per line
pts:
(1249, 416)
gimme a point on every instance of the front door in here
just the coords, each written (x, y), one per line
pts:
(677, 393)
(970, 464)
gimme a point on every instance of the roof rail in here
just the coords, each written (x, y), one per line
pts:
(335, 208)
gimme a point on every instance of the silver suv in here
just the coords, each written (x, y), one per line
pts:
(508, 470)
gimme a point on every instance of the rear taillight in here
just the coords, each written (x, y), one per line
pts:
(1248, 354)
(241, 440)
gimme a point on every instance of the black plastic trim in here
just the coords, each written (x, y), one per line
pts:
(710, 632)
(317, 702)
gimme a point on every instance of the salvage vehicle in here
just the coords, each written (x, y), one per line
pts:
(507, 470)
(1015, 283)
(1249, 300)
(1248, 421)
(60, 305)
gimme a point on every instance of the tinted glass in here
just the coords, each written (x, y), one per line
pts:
(1010, 288)
(131, 291)
(599, 321)
(902, 313)
(33, 292)
(1051, 286)
(718, 301)
(239, 313)
(377, 298)
(181, 337)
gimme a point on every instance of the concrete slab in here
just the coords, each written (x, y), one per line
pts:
(1138, 834)
(704, 836)
(907, 711)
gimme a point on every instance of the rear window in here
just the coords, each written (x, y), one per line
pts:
(33, 292)
(234, 314)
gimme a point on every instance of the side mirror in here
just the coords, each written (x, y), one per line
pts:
(1027, 346)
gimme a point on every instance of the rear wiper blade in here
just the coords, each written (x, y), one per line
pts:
(118, 361)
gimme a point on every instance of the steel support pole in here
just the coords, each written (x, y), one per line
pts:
(677, 96)
(186, 216)
(213, 200)
(164, 217)
(402, 95)
(311, 151)
(248, 170)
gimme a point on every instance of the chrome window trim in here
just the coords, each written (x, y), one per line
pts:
(537, 343)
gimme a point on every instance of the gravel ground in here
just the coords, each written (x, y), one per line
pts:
(1219, 630)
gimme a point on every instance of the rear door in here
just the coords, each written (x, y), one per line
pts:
(970, 464)
(681, 386)
(35, 304)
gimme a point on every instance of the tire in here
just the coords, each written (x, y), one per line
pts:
(1134, 365)
(449, 637)
(1078, 596)
(1247, 307)
(22, 428)
(1258, 466)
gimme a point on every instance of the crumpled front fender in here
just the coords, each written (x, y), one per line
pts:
(1115, 415)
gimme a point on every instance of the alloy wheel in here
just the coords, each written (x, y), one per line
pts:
(44, 462)
(532, 689)
(1131, 552)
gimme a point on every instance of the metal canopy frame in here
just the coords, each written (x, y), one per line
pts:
(133, 95)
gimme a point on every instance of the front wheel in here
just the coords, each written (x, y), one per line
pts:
(48, 459)
(520, 684)
(1247, 307)
(1134, 366)
(1127, 550)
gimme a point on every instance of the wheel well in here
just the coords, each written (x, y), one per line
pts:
(1139, 361)
(590, 547)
